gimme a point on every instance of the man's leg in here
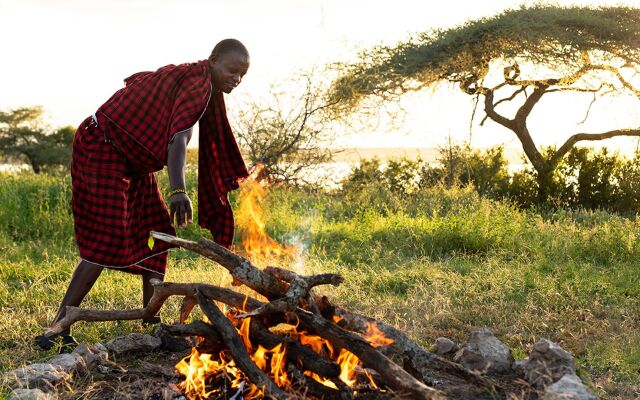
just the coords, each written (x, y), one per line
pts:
(147, 292)
(82, 280)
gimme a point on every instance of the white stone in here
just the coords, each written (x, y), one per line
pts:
(92, 355)
(485, 353)
(134, 343)
(69, 362)
(36, 376)
(547, 363)
(31, 394)
(444, 345)
(569, 387)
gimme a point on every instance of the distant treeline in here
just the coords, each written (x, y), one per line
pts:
(585, 178)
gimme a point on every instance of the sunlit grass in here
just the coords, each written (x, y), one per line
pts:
(437, 263)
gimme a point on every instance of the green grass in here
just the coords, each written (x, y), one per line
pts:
(435, 263)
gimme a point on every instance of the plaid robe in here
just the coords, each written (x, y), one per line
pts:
(116, 201)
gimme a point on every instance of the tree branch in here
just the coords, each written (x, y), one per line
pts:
(524, 111)
(489, 108)
(513, 96)
(161, 291)
(586, 115)
(578, 137)
(241, 269)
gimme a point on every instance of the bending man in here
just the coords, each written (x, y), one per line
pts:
(140, 129)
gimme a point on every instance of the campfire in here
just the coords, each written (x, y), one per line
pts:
(211, 371)
(280, 339)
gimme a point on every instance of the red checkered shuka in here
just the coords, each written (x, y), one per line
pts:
(116, 201)
(220, 168)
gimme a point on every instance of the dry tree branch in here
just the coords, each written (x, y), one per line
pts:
(513, 96)
(161, 292)
(299, 287)
(578, 137)
(586, 115)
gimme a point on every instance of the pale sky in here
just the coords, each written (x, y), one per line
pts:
(71, 55)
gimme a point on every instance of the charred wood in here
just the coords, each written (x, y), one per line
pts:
(392, 374)
(302, 356)
(236, 347)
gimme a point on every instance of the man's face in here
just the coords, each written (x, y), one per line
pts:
(228, 69)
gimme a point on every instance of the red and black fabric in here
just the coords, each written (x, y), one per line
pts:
(220, 167)
(114, 210)
(137, 125)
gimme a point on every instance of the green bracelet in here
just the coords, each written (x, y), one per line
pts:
(176, 191)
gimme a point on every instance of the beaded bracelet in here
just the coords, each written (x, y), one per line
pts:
(176, 191)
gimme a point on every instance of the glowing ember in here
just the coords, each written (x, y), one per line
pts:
(199, 369)
(256, 242)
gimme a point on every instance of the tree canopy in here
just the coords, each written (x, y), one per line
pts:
(560, 38)
(23, 136)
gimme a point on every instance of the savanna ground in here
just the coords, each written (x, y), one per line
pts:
(438, 262)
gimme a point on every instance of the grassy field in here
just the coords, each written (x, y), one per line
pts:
(435, 263)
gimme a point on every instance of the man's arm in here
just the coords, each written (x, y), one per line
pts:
(180, 208)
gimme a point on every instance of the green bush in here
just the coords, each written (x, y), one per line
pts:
(584, 179)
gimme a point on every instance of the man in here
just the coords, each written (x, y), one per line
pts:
(140, 129)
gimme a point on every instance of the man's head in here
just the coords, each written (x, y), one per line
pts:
(229, 62)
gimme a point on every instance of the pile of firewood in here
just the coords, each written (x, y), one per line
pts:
(290, 302)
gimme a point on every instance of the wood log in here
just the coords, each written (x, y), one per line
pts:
(301, 355)
(162, 291)
(240, 268)
(299, 287)
(308, 386)
(187, 306)
(417, 360)
(391, 373)
(211, 342)
(196, 328)
(234, 343)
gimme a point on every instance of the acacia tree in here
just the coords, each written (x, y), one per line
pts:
(532, 51)
(23, 136)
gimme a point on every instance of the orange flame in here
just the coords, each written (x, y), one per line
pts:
(198, 368)
(256, 242)
(244, 333)
(375, 337)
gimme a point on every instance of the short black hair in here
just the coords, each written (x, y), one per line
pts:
(227, 46)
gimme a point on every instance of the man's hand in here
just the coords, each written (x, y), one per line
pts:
(180, 210)
(179, 204)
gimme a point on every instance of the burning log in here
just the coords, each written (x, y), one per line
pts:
(392, 374)
(234, 343)
(297, 353)
(311, 387)
(414, 356)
